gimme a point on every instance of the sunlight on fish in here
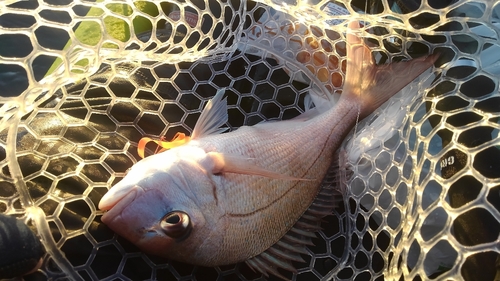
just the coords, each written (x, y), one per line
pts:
(216, 199)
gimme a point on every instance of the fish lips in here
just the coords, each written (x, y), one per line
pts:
(115, 195)
(119, 204)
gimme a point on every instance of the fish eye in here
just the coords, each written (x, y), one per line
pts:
(176, 224)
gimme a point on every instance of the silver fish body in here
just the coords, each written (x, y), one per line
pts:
(225, 198)
(236, 216)
(254, 212)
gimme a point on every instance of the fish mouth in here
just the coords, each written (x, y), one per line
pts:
(115, 209)
(115, 195)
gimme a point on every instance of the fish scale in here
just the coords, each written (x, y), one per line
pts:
(445, 120)
(226, 198)
(263, 196)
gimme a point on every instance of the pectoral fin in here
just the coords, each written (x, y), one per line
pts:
(224, 163)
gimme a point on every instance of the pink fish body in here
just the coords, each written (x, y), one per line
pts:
(225, 198)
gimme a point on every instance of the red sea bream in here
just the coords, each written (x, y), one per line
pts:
(226, 198)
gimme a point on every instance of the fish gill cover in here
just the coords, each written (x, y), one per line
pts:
(83, 81)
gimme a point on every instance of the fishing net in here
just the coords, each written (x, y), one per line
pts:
(83, 81)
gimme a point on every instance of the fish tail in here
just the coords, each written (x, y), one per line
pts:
(370, 85)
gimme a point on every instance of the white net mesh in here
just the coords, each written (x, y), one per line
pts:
(83, 81)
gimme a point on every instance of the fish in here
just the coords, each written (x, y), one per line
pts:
(221, 198)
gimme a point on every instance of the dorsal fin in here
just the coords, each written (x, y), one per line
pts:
(213, 116)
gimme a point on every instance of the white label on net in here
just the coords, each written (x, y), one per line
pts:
(332, 9)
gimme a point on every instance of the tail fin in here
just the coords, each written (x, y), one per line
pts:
(371, 85)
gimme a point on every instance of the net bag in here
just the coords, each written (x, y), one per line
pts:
(82, 81)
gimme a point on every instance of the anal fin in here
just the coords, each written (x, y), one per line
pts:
(281, 256)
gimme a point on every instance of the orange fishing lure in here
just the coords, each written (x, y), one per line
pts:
(178, 140)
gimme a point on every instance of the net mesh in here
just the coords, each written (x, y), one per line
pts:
(83, 81)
